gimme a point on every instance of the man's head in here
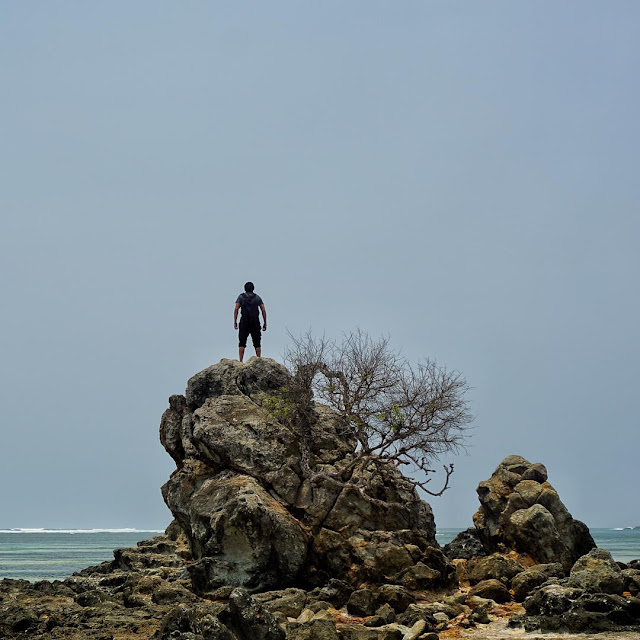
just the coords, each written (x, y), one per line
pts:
(248, 287)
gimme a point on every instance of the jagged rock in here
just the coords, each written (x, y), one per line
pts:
(403, 557)
(555, 607)
(360, 632)
(238, 463)
(386, 613)
(403, 510)
(479, 609)
(171, 434)
(235, 434)
(92, 598)
(221, 428)
(262, 375)
(219, 379)
(597, 572)
(249, 619)
(441, 619)
(466, 546)
(631, 581)
(375, 621)
(240, 535)
(491, 589)
(337, 592)
(313, 629)
(529, 579)
(361, 603)
(427, 611)
(230, 377)
(551, 600)
(172, 594)
(290, 602)
(416, 630)
(195, 621)
(395, 596)
(520, 511)
(495, 566)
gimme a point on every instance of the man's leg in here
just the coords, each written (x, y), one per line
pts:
(243, 334)
(255, 337)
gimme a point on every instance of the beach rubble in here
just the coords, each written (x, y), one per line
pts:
(258, 552)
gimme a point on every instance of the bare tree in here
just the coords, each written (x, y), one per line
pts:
(395, 412)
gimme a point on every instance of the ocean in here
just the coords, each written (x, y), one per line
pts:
(54, 554)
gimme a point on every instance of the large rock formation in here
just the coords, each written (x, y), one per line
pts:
(254, 520)
(245, 515)
(520, 511)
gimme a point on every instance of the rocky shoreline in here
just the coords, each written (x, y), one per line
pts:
(258, 552)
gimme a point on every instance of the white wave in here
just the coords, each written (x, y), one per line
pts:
(622, 528)
(38, 530)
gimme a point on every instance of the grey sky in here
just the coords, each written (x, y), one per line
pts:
(460, 175)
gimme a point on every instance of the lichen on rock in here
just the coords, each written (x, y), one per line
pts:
(254, 519)
(520, 511)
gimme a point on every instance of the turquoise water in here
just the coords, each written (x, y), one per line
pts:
(54, 555)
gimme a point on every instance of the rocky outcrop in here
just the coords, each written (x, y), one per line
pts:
(259, 551)
(556, 607)
(252, 517)
(520, 511)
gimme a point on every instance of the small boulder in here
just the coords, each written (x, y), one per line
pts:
(492, 590)
(195, 621)
(248, 618)
(466, 546)
(529, 579)
(551, 600)
(496, 566)
(317, 628)
(387, 613)
(395, 596)
(336, 592)
(361, 603)
(631, 581)
(291, 602)
(597, 572)
(416, 630)
(415, 612)
(558, 608)
(172, 594)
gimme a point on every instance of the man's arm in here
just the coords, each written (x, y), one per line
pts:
(264, 317)
(235, 315)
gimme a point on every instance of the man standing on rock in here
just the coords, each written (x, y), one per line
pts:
(250, 303)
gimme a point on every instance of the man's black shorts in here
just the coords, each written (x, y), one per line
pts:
(246, 327)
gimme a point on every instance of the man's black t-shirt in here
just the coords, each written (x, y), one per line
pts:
(249, 304)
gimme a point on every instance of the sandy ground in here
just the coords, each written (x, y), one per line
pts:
(498, 630)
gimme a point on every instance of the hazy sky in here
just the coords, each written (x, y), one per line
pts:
(463, 176)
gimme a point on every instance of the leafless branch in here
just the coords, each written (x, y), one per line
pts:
(397, 413)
